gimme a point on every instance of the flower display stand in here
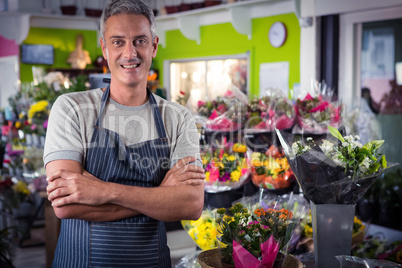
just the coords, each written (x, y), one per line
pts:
(332, 232)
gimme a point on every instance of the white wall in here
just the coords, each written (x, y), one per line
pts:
(9, 77)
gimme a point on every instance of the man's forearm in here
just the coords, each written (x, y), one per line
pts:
(161, 203)
(100, 213)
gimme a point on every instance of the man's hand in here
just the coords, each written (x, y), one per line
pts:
(183, 173)
(66, 187)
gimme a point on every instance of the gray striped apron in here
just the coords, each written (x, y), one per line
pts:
(133, 242)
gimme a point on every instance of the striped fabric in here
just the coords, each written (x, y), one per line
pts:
(133, 242)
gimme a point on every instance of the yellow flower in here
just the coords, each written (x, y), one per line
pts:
(235, 175)
(207, 175)
(308, 231)
(203, 231)
(18, 124)
(239, 148)
(21, 187)
(40, 106)
(232, 158)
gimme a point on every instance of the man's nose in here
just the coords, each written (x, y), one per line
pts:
(130, 51)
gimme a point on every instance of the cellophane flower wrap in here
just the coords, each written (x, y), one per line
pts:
(203, 231)
(271, 170)
(255, 233)
(335, 170)
(314, 114)
(225, 113)
(272, 110)
(226, 167)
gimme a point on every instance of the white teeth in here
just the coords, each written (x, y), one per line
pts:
(131, 66)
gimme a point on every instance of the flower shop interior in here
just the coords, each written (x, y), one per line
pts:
(281, 91)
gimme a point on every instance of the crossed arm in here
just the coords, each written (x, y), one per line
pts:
(76, 194)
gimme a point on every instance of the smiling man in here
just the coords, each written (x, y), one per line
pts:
(120, 160)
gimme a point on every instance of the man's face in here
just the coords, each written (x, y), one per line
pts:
(128, 47)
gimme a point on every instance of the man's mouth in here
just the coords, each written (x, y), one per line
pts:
(127, 66)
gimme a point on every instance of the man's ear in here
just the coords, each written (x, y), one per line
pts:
(155, 46)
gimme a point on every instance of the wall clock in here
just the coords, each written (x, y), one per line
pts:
(277, 34)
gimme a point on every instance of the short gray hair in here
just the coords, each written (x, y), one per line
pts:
(136, 7)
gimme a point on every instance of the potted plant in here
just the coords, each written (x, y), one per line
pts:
(252, 239)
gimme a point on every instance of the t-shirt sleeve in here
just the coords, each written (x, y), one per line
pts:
(187, 141)
(63, 135)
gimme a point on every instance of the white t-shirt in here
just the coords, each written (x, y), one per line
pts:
(73, 116)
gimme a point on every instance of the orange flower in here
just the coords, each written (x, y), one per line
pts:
(259, 212)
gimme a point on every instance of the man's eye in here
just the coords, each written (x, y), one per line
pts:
(116, 42)
(140, 42)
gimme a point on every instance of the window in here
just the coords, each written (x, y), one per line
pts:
(205, 79)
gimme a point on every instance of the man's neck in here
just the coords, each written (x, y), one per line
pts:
(129, 96)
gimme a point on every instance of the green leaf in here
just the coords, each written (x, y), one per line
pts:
(373, 145)
(383, 162)
(336, 133)
(374, 168)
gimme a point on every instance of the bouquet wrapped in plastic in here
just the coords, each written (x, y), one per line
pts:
(271, 170)
(227, 168)
(336, 170)
(203, 231)
(225, 113)
(272, 110)
(315, 113)
(252, 234)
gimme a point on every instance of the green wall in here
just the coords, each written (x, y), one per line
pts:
(218, 39)
(63, 42)
(223, 39)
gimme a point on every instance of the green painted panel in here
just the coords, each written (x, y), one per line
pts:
(64, 42)
(223, 39)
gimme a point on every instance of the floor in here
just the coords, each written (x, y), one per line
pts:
(32, 253)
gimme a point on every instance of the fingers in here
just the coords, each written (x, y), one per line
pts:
(183, 162)
(61, 174)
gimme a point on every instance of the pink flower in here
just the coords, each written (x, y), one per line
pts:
(321, 107)
(213, 115)
(221, 108)
(308, 97)
(200, 103)
(214, 174)
(229, 94)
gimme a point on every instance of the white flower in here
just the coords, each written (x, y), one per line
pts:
(309, 139)
(52, 77)
(364, 165)
(326, 146)
(338, 159)
(294, 148)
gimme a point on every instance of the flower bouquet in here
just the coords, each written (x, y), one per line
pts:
(253, 239)
(272, 110)
(333, 173)
(15, 192)
(271, 170)
(226, 113)
(314, 114)
(226, 168)
(203, 231)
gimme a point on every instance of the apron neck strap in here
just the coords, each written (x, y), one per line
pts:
(157, 115)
